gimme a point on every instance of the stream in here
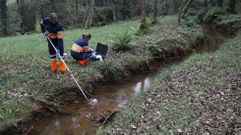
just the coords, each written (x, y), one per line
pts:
(79, 116)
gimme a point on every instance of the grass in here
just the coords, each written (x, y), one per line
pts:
(111, 70)
(207, 73)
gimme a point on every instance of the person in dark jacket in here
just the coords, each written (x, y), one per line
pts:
(81, 51)
(52, 28)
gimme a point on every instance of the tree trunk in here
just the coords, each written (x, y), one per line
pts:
(155, 12)
(185, 9)
(124, 9)
(3, 16)
(143, 25)
(39, 13)
(175, 6)
(132, 8)
(206, 3)
(231, 7)
(220, 3)
(113, 10)
(184, 2)
(77, 6)
(164, 7)
(20, 9)
(17, 1)
(212, 2)
(52, 4)
(90, 4)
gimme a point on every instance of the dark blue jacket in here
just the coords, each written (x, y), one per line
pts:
(55, 31)
(81, 42)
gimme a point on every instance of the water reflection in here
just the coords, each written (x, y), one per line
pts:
(142, 85)
(71, 125)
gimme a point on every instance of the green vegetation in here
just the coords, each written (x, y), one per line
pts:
(204, 90)
(188, 96)
(111, 70)
(23, 17)
(121, 42)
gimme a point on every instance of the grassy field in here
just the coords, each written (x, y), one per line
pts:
(199, 96)
(25, 72)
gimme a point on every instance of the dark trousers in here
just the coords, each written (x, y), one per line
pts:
(58, 46)
(81, 55)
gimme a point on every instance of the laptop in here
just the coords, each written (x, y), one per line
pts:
(102, 50)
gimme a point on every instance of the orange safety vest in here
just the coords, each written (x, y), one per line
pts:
(59, 35)
(78, 48)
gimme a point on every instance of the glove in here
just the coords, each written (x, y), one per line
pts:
(45, 34)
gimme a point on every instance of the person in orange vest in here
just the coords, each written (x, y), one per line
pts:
(52, 28)
(81, 51)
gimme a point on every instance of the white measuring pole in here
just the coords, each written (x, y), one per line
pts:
(71, 74)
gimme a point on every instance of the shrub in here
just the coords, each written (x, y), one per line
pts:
(212, 15)
(156, 50)
(102, 16)
(111, 70)
(14, 20)
(121, 42)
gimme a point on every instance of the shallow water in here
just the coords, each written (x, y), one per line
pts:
(79, 120)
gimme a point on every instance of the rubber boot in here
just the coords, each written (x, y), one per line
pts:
(82, 62)
(54, 65)
(62, 67)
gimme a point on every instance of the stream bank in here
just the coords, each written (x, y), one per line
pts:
(78, 117)
(199, 96)
(166, 42)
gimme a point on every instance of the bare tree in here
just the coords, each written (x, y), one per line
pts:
(164, 7)
(39, 13)
(90, 4)
(132, 8)
(3, 16)
(184, 9)
(155, 12)
(77, 6)
(212, 2)
(220, 3)
(206, 3)
(17, 1)
(176, 5)
(231, 6)
(113, 10)
(143, 25)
